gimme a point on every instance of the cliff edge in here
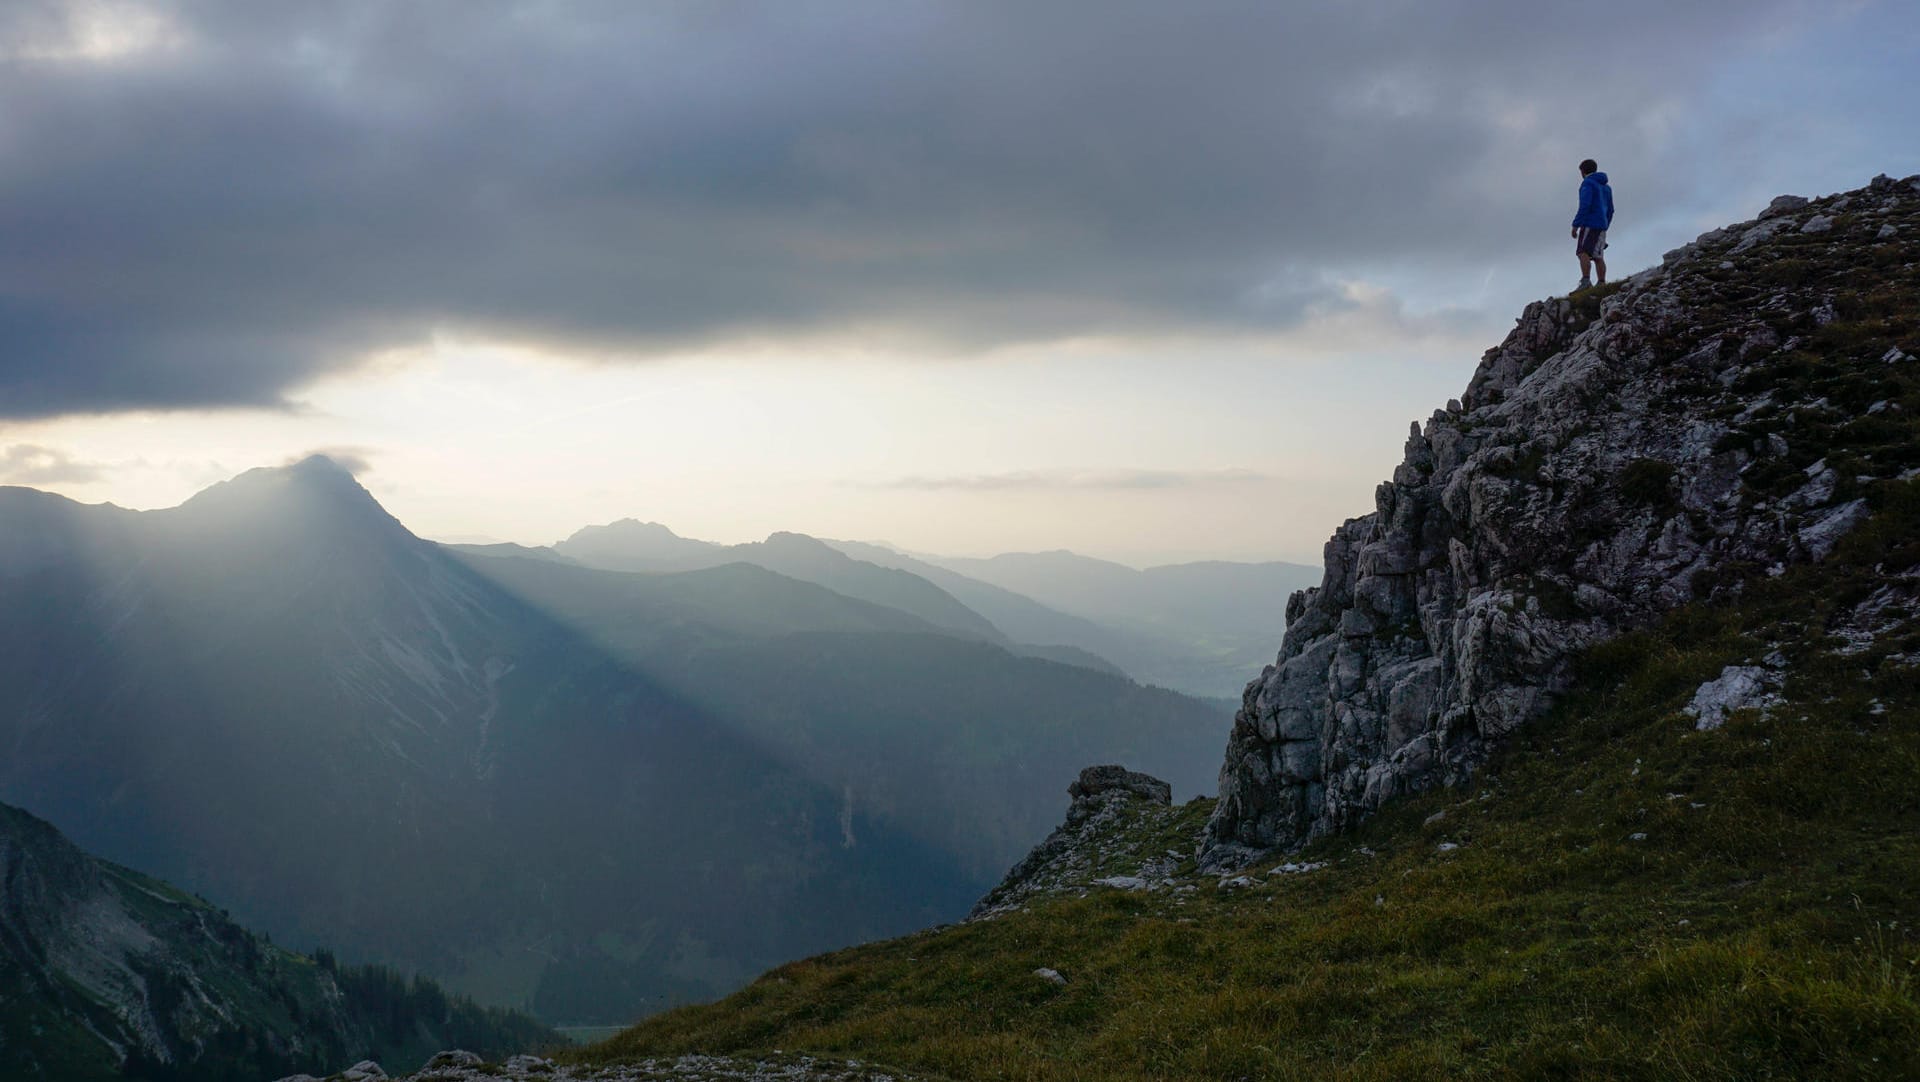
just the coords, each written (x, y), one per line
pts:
(1624, 451)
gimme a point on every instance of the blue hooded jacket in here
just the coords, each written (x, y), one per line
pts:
(1596, 203)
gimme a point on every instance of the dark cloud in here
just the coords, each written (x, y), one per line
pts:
(227, 199)
(1064, 480)
(31, 464)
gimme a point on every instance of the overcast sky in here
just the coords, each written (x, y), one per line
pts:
(1151, 281)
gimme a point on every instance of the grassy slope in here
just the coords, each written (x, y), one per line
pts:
(1763, 928)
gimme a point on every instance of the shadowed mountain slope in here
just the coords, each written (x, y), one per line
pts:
(278, 697)
(954, 740)
(586, 792)
(107, 973)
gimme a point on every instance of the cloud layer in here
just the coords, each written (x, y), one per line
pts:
(32, 464)
(210, 203)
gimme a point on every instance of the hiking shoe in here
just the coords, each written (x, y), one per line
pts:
(1584, 284)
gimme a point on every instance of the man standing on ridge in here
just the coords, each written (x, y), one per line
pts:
(1590, 224)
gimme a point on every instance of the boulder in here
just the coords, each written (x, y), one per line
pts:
(1738, 687)
(1096, 780)
(1783, 204)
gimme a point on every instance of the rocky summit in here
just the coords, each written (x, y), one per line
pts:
(1625, 450)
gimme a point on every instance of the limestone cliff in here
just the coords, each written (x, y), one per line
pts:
(1624, 451)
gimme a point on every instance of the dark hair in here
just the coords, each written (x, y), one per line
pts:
(1588, 167)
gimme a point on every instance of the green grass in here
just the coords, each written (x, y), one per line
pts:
(1764, 927)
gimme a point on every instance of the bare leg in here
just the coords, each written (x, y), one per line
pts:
(1586, 259)
(1600, 270)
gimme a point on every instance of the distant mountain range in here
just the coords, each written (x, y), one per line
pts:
(1200, 628)
(629, 545)
(584, 791)
(634, 546)
(106, 974)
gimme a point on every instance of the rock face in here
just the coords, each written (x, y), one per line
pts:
(1622, 452)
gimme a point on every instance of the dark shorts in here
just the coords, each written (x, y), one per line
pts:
(1589, 241)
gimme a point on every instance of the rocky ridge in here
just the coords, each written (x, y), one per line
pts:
(1624, 451)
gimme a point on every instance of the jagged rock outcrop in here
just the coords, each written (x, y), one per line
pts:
(1622, 452)
(1095, 781)
(1121, 824)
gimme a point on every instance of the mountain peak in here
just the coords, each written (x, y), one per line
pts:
(320, 464)
(796, 544)
(313, 495)
(632, 531)
(314, 473)
(629, 544)
(635, 526)
(322, 473)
